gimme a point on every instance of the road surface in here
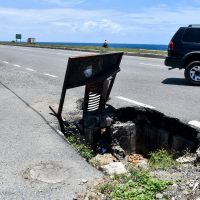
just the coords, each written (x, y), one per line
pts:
(142, 81)
(35, 162)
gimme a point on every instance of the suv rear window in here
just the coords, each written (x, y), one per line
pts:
(192, 35)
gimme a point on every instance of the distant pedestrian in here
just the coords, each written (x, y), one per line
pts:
(105, 44)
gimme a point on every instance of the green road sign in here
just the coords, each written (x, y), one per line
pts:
(18, 36)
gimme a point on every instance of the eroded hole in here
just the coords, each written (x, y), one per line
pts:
(136, 130)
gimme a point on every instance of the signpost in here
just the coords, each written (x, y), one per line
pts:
(18, 37)
(97, 73)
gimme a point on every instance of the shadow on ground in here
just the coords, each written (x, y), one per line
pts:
(175, 81)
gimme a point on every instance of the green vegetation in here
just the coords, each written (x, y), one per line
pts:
(161, 159)
(84, 150)
(137, 185)
(91, 48)
(95, 163)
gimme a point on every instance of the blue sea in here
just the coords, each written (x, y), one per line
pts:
(112, 45)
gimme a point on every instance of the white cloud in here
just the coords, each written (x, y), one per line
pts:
(64, 3)
(155, 25)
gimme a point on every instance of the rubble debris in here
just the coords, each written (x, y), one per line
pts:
(118, 152)
(114, 168)
(186, 159)
(124, 135)
(135, 158)
(104, 159)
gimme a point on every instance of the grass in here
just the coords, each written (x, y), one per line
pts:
(95, 48)
(137, 185)
(84, 150)
(95, 163)
(161, 159)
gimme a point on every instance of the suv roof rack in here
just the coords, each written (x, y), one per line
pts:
(194, 25)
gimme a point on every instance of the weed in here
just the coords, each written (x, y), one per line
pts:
(106, 188)
(137, 185)
(95, 163)
(161, 159)
(82, 148)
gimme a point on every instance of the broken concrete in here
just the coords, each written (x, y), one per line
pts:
(124, 135)
(114, 168)
(138, 130)
(154, 130)
(104, 159)
(118, 152)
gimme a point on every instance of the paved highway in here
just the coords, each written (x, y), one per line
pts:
(142, 81)
(35, 163)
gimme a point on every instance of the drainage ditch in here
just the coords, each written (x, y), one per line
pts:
(135, 130)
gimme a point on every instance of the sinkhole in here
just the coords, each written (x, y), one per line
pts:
(134, 130)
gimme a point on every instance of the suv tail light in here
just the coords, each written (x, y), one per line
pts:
(171, 46)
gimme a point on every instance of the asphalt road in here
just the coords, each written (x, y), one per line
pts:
(36, 163)
(142, 81)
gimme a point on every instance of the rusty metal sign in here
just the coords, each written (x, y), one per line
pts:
(97, 73)
(88, 69)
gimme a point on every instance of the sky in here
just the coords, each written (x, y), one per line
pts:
(93, 21)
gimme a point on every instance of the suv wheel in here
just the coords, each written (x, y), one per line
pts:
(192, 73)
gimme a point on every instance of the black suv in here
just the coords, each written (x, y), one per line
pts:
(184, 52)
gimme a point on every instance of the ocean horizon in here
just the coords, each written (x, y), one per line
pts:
(112, 45)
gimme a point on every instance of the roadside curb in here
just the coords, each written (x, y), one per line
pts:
(147, 55)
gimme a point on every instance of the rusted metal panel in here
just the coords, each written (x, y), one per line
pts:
(97, 73)
(89, 69)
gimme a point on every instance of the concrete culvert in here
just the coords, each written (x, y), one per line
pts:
(147, 130)
(137, 130)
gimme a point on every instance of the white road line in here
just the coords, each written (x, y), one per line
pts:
(5, 62)
(147, 58)
(17, 65)
(194, 123)
(29, 69)
(61, 53)
(27, 49)
(154, 65)
(50, 75)
(135, 102)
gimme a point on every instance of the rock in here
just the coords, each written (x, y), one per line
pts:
(185, 192)
(186, 159)
(159, 196)
(195, 186)
(124, 135)
(91, 196)
(174, 186)
(137, 160)
(191, 184)
(106, 122)
(114, 168)
(104, 159)
(84, 181)
(134, 158)
(198, 155)
(118, 152)
(143, 164)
